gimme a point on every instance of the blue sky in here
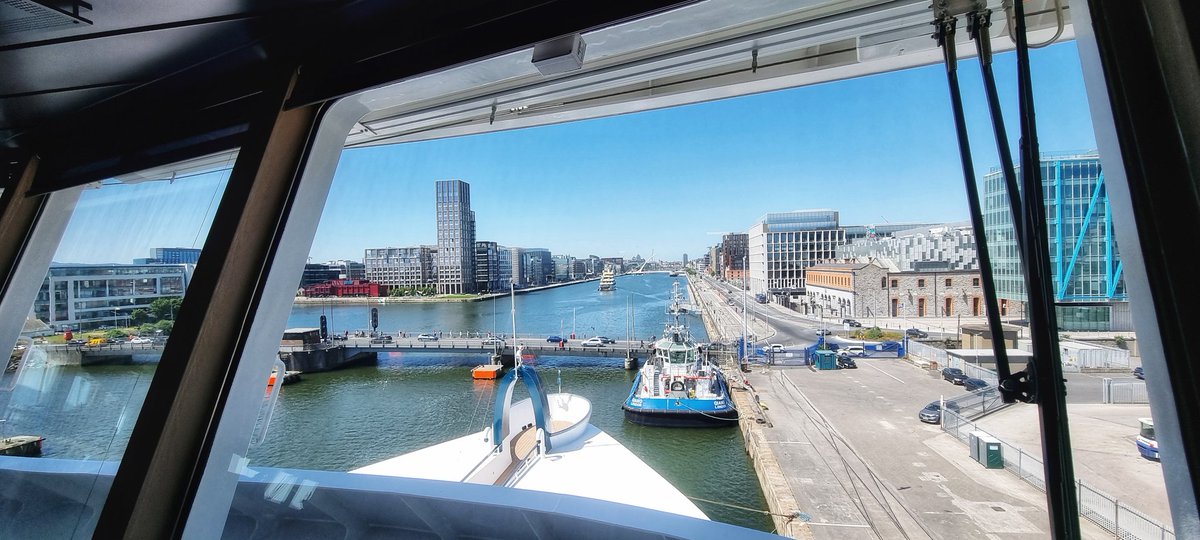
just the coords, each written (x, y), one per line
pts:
(878, 149)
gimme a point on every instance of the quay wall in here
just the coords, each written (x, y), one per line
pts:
(780, 499)
(326, 359)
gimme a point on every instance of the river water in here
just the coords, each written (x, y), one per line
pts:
(349, 418)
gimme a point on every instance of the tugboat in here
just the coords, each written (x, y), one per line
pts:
(679, 387)
(608, 280)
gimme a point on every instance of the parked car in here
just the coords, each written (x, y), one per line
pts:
(845, 362)
(1137, 372)
(555, 339)
(593, 342)
(493, 340)
(141, 340)
(932, 413)
(427, 337)
(824, 332)
(852, 350)
(607, 340)
(852, 323)
(972, 384)
(954, 375)
(916, 333)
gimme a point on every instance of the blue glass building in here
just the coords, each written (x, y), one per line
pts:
(1089, 291)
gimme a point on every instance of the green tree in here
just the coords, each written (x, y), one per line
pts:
(164, 326)
(139, 316)
(115, 333)
(165, 309)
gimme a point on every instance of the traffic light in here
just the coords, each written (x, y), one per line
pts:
(324, 329)
(374, 318)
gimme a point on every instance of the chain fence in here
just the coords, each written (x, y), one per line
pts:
(1116, 517)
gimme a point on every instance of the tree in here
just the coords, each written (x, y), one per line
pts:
(164, 309)
(139, 316)
(164, 326)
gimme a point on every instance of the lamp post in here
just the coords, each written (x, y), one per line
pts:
(573, 323)
(745, 286)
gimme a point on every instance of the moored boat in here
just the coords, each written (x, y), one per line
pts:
(608, 279)
(21, 445)
(543, 443)
(678, 386)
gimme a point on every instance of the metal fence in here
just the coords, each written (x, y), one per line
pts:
(1123, 391)
(1114, 516)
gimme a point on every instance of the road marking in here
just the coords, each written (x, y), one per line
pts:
(838, 524)
(885, 373)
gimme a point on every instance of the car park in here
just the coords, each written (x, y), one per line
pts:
(953, 375)
(427, 337)
(555, 339)
(971, 384)
(845, 362)
(916, 333)
(593, 342)
(852, 323)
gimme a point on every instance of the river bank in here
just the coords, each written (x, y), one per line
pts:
(368, 300)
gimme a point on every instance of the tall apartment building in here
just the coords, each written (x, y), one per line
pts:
(734, 255)
(456, 238)
(348, 269)
(782, 244)
(401, 266)
(950, 245)
(1089, 289)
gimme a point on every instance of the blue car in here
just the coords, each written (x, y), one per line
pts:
(555, 339)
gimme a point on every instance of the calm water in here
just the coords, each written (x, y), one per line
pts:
(346, 419)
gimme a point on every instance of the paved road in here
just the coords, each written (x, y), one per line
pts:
(863, 466)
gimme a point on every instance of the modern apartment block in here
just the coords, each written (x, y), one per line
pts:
(456, 238)
(488, 266)
(176, 255)
(734, 255)
(401, 266)
(949, 245)
(84, 297)
(1089, 288)
(516, 257)
(783, 244)
(538, 266)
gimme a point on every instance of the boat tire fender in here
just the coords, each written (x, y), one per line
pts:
(677, 386)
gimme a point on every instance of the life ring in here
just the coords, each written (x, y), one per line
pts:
(677, 386)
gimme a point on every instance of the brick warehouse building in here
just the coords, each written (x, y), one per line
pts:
(346, 288)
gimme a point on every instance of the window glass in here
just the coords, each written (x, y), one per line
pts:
(90, 345)
(386, 378)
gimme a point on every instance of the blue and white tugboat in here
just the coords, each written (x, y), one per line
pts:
(679, 387)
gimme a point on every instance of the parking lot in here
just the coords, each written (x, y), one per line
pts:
(863, 466)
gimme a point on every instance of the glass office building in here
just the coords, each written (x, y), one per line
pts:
(782, 244)
(1089, 291)
(84, 297)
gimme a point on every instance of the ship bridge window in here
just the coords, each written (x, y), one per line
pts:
(73, 394)
(440, 166)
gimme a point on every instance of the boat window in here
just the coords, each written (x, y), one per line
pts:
(425, 230)
(102, 303)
